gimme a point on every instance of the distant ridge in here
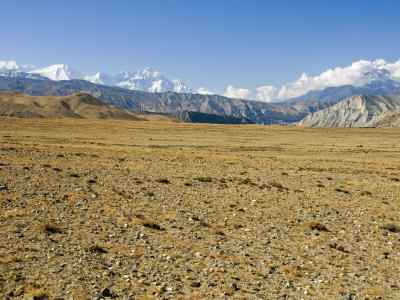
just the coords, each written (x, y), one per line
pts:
(197, 117)
(76, 106)
(357, 111)
(169, 102)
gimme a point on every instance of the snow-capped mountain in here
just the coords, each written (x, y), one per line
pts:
(147, 80)
(12, 69)
(58, 72)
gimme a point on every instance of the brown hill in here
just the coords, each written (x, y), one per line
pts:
(77, 106)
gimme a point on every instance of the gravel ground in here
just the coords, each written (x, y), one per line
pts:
(130, 210)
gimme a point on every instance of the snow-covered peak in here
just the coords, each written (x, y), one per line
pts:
(59, 72)
(101, 78)
(147, 79)
(180, 87)
(148, 73)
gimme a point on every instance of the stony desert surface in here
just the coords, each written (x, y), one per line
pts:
(145, 210)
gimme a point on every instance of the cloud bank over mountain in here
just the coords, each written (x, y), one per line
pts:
(358, 74)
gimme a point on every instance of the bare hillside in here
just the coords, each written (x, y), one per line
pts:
(77, 106)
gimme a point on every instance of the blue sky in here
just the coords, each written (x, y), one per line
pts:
(205, 43)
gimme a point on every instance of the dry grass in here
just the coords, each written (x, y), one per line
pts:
(185, 210)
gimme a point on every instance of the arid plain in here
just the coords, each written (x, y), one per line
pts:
(133, 210)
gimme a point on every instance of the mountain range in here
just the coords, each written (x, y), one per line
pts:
(148, 90)
(143, 80)
(377, 81)
(168, 102)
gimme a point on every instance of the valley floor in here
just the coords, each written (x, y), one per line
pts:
(135, 210)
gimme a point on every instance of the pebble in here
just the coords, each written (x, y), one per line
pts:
(349, 296)
(234, 286)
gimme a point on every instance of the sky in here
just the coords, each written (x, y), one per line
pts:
(246, 48)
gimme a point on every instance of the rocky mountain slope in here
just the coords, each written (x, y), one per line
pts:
(392, 120)
(356, 111)
(167, 102)
(77, 106)
(198, 117)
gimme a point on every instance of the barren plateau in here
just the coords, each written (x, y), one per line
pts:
(102, 209)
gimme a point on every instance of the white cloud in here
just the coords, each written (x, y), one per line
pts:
(9, 65)
(266, 93)
(394, 69)
(239, 93)
(13, 66)
(203, 91)
(351, 75)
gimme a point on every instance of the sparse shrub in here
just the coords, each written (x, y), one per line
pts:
(163, 180)
(91, 181)
(217, 231)
(342, 191)
(151, 224)
(391, 227)
(338, 247)
(366, 193)
(277, 185)
(204, 179)
(96, 249)
(151, 194)
(51, 228)
(317, 226)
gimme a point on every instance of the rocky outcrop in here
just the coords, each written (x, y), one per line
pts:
(356, 111)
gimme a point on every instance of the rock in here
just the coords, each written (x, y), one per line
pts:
(106, 292)
(289, 285)
(196, 284)
(233, 286)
